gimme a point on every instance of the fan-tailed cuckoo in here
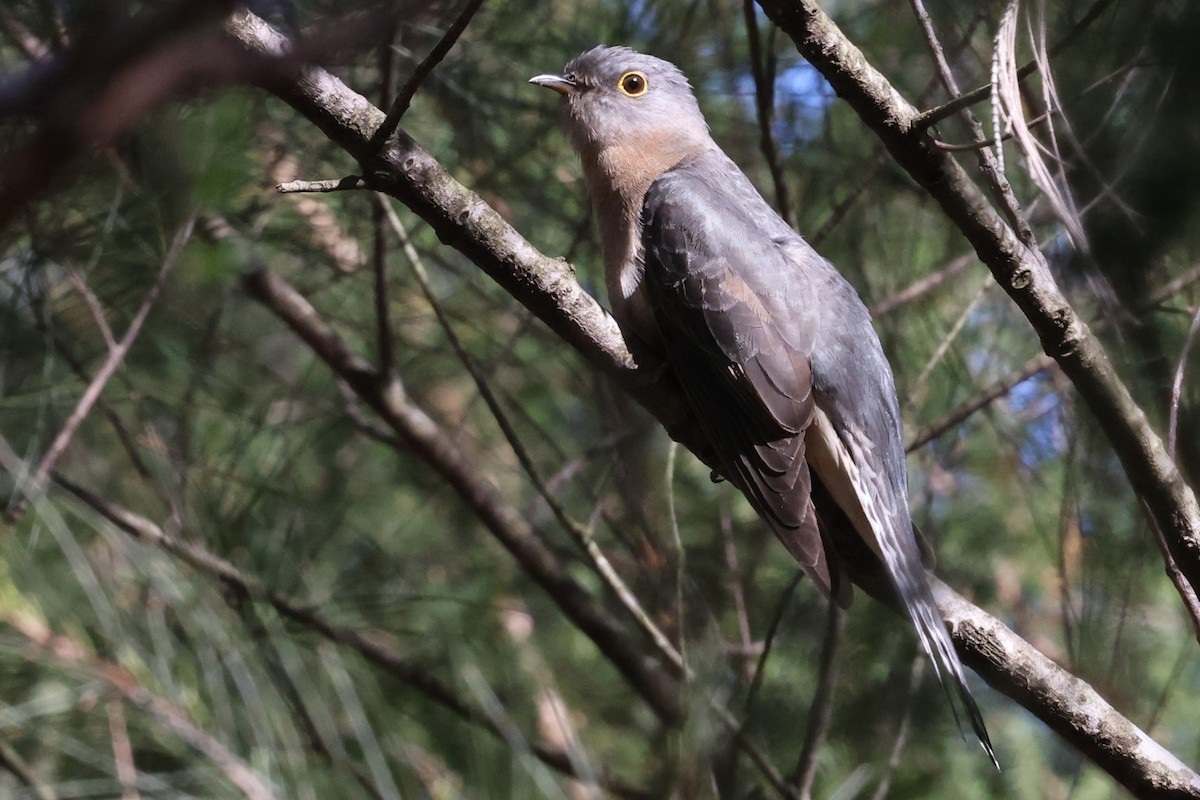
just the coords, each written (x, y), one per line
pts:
(774, 350)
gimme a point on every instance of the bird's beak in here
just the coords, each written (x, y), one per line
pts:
(558, 83)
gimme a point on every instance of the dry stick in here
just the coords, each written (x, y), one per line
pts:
(423, 70)
(764, 102)
(150, 533)
(348, 183)
(924, 286)
(67, 650)
(427, 441)
(547, 286)
(115, 357)
(118, 732)
(820, 713)
(914, 681)
(1018, 265)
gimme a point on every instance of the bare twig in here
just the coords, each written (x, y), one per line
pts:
(428, 442)
(924, 286)
(764, 103)
(1177, 383)
(918, 385)
(423, 70)
(122, 749)
(115, 357)
(578, 532)
(936, 115)
(12, 761)
(1035, 366)
(93, 304)
(820, 713)
(349, 183)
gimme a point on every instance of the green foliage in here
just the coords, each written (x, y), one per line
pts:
(224, 429)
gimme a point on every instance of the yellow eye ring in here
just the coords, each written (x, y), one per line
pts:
(633, 84)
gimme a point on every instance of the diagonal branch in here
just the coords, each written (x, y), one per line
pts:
(116, 356)
(513, 531)
(1020, 268)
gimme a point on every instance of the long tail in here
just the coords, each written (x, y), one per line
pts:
(848, 467)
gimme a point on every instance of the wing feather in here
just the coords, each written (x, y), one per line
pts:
(741, 352)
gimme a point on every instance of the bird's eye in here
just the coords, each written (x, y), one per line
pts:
(633, 84)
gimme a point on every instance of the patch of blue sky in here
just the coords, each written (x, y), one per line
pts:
(802, 99)
(1044, 437)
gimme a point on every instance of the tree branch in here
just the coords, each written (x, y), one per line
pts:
(1019, 268)
(513, 531)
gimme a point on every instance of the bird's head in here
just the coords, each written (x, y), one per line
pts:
(616, 96)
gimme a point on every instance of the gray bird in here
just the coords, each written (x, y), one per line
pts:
(774, 350)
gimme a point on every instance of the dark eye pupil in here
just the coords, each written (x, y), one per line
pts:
(633, 83)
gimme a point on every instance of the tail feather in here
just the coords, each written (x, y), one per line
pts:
(877, 509)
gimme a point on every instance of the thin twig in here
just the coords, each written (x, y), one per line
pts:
(93, 304)
(947, 341)
(577, 531)
(12, 761)
(981, 93)
(118, 732)
(348, 183)
(115, 358)
(914, 681)
(820, 713)
(764, 102)
(1177, 383)
(979, 144)
(1035, 366)
(1187, 592)
(423, 70)
(427, 441)
(924, 286)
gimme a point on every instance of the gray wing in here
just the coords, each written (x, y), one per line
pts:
(737, 328)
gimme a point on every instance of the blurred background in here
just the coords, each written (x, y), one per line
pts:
(285, 532)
